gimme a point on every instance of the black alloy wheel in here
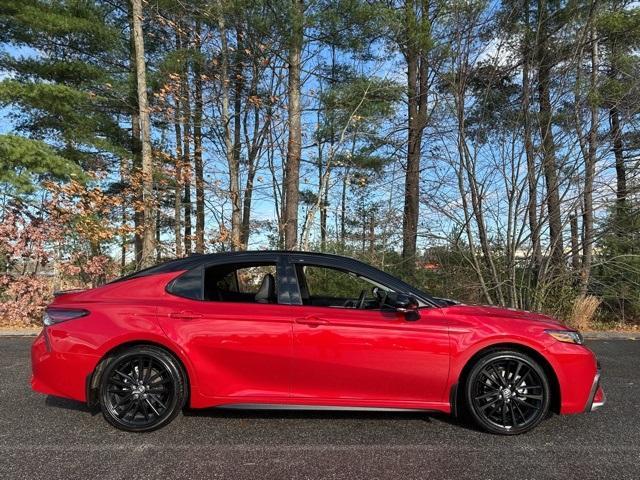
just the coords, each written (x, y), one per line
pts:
(142, 389)
(507, 392)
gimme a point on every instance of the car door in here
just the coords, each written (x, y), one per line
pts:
(240, 349)
(346, 355)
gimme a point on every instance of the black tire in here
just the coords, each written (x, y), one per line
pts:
(142, 388)
(507, 392)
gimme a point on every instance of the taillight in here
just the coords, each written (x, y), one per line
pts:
(57, 315)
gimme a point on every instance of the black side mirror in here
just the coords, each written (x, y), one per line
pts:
(408, 305)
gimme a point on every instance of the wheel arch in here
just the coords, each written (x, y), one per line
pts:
(456, 394)
(93, 380)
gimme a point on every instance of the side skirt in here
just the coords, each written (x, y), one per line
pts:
(277, 406)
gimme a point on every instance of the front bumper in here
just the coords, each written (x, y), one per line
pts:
(597, 398)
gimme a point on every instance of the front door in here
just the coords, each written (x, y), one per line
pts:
(348, 350)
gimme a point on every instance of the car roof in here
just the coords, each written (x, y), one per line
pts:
(300, 257)
(196, 259)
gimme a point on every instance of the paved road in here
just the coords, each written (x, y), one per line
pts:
(50, 438)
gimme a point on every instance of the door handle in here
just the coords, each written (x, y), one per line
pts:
(313, 322)
(185, 315)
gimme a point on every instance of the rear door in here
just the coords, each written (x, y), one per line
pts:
(367, 355)
(240, 349)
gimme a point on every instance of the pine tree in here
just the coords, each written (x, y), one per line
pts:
(63, 87)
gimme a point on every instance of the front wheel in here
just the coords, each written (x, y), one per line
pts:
(142, 389)
(507, 392)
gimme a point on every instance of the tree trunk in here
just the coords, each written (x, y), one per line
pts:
(343, 208)
(179, 188)
(548, 144)
(197, 143)
(246, 204)
(149, 220)
(136, 152)
(158, 226)
(186, 162)
(253, 153)
(124, 176)
(417, 85)
(323, 218)
(238, 80)
(590, 168)
(532, 174)
(294, 145)
(325, 199)
(232, 161)
(575, 243)
(618, 153)
(616, 134)
(372, 234)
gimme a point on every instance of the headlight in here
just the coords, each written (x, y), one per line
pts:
(566, 336)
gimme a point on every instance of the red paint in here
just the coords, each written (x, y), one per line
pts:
(294, 354)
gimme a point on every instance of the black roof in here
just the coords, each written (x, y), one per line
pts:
(336, 261)
(196, 259)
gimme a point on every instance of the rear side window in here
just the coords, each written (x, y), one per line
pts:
(188, 285)
(249, 279)
(246, 283)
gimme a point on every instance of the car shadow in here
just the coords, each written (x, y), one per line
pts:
(278, 414)
(66, 404)
(283, 414)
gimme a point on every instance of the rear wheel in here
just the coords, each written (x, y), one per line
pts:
(507, 392)
(141, 389)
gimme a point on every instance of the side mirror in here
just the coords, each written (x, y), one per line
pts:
(408, 305)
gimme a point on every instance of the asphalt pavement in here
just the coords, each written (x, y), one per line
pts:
(50, 438)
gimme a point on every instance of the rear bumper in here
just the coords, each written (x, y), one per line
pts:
(59, 374)
(597, 398)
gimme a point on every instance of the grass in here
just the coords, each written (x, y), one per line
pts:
(583, 312)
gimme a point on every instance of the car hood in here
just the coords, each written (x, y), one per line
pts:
(489, 313)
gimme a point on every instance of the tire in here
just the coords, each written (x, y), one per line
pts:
(507, 392)
(142, 388)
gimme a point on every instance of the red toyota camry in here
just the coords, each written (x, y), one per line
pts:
(303, 330)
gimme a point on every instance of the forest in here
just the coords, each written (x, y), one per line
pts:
(485, 151)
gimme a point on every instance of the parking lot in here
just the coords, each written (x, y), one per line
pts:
(46, 437)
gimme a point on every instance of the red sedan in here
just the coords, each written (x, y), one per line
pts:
(303, 330)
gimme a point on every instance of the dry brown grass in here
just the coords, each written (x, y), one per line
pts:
(583, 312)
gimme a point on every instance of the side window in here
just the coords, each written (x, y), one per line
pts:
(188, 285)
(330, 287)
(246, 283)
(250, 279)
